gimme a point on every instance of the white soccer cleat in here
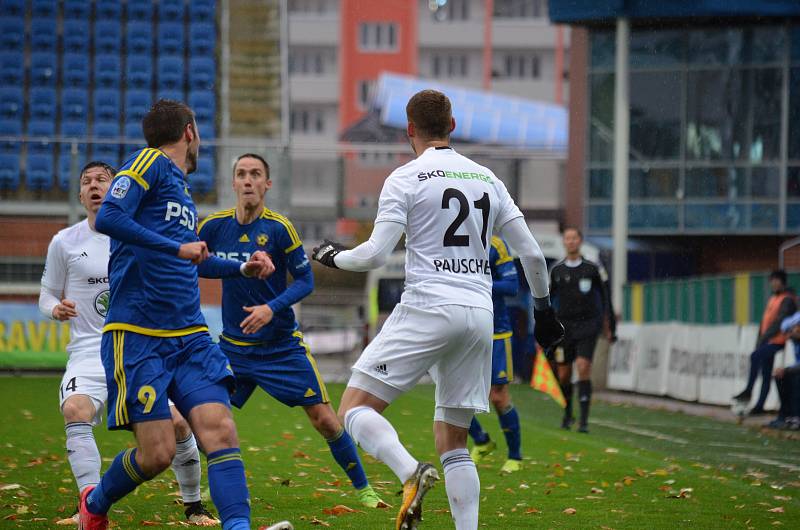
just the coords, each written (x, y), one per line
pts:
(283, 525)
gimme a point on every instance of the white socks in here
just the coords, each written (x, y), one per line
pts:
(463, 488)
(377, 437)
(82, 453)
(186, 466)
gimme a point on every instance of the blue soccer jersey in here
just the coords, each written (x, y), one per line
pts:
(504, 283)
(275, 235)
(153, 291)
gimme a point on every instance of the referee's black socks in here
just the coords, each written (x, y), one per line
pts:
(584, 398)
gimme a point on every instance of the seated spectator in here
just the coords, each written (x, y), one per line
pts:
(788, 381)
(770, 340)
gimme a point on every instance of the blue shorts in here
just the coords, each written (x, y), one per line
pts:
(142, 371)
(284, 368)
(502, 362)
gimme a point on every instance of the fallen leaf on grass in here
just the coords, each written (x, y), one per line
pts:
(570, 511)
(611, 450)
(300, 454)
(9, 487)
(532, 510)
(778, 509)
(317, 522)
(684, 493)
(338, 510)
(597, 490)
(782, 498)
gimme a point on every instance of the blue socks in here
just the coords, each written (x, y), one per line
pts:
(479, 436)
(121, 478)
(509, 422)
(344, 452)
(229, 488)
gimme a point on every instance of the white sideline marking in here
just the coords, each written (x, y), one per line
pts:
(642, 432)
(767, 461)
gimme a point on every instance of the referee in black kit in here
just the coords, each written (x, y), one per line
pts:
(580, 295)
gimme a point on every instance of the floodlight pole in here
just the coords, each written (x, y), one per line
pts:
(621, 153)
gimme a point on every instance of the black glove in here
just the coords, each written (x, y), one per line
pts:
(548, 332)
(326, 252)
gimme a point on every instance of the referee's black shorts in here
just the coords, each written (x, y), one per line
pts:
(580, 339)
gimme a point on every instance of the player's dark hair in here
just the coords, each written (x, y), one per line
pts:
(97, 163)
(779, 274)
(252, 155)
(431, 113)
(165, 122)
(575, 228)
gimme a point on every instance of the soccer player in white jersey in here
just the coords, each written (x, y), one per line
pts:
(448, 206)
(75, 289)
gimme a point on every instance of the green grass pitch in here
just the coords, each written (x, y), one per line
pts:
(637, 469)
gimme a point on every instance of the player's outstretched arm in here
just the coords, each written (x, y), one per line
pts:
(548, 330)
(116, 223)
(258, 266)
(368, 255)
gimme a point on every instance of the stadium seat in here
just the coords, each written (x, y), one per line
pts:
(39, 171)
(44, 70)
(107, 35)
(139, 71)
(44, 8)
(76, 36)
(11, 103)
(42, 133)
(42, 128)
(43, 36)
(77, 9)
(75, 70)
(203, 104)
(9, 171)
(202, 10)
(12, 8)
(137, 103)
(170, 72)
(108, 10)
(170, 9)
(74, 129)
(139, 10)
(106, 104)
(74, 103)
(65, 166)
(202, 180)
(11, 128)
(42, 103)
(202, 38)
(133, 130)
(107, 71)
(166, 93)
(170, 38)
(202, 73)
(108, 153)
(207, 130)
(12, 34)
(139, 39)
(12, 68)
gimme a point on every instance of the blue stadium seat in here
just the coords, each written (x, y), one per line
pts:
(12, 34)
(137, 103)
(202, 10)
(74, 104)
(139, 71)
(207, 130)
(44, 69)
(108, 10)
(76, 36)
(107, 36)
(74, 129)
(165, 93)
(202, 73)
(12, 102)
(77, 9)
(9, 171)
(43, 35)
(202, 38)
(12, 68)
(139, 10)
(170, 38)
(106, 104)
(202, 180)
(12, 8)
(11, 128)
(203, 104)
(170, 10)
(65, 166)
(170, 72)
(107, 70)
(75, 70)
(133, 130)
(44, 8)
(108, 153)
(42, 103)
(39, 171)
(42, 131)
(139, 39)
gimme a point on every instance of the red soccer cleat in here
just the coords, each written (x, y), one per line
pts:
(89, 520)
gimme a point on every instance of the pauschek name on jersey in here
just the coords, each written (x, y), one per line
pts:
(463, 265)
(463, 175)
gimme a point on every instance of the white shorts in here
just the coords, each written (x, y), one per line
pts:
(453, 343)
(86, 379)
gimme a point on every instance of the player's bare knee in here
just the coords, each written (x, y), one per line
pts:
(155, 458)
(500, 397)
(73, 411)
(223, 436)
(181, 426)
(324, 420)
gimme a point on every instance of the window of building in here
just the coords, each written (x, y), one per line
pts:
(378, 36)
(311, 61)
(520, 8)
(519, 65)
(307, 121)
(364, 88)
(449, 65)
(452, 11)
(309, 7)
